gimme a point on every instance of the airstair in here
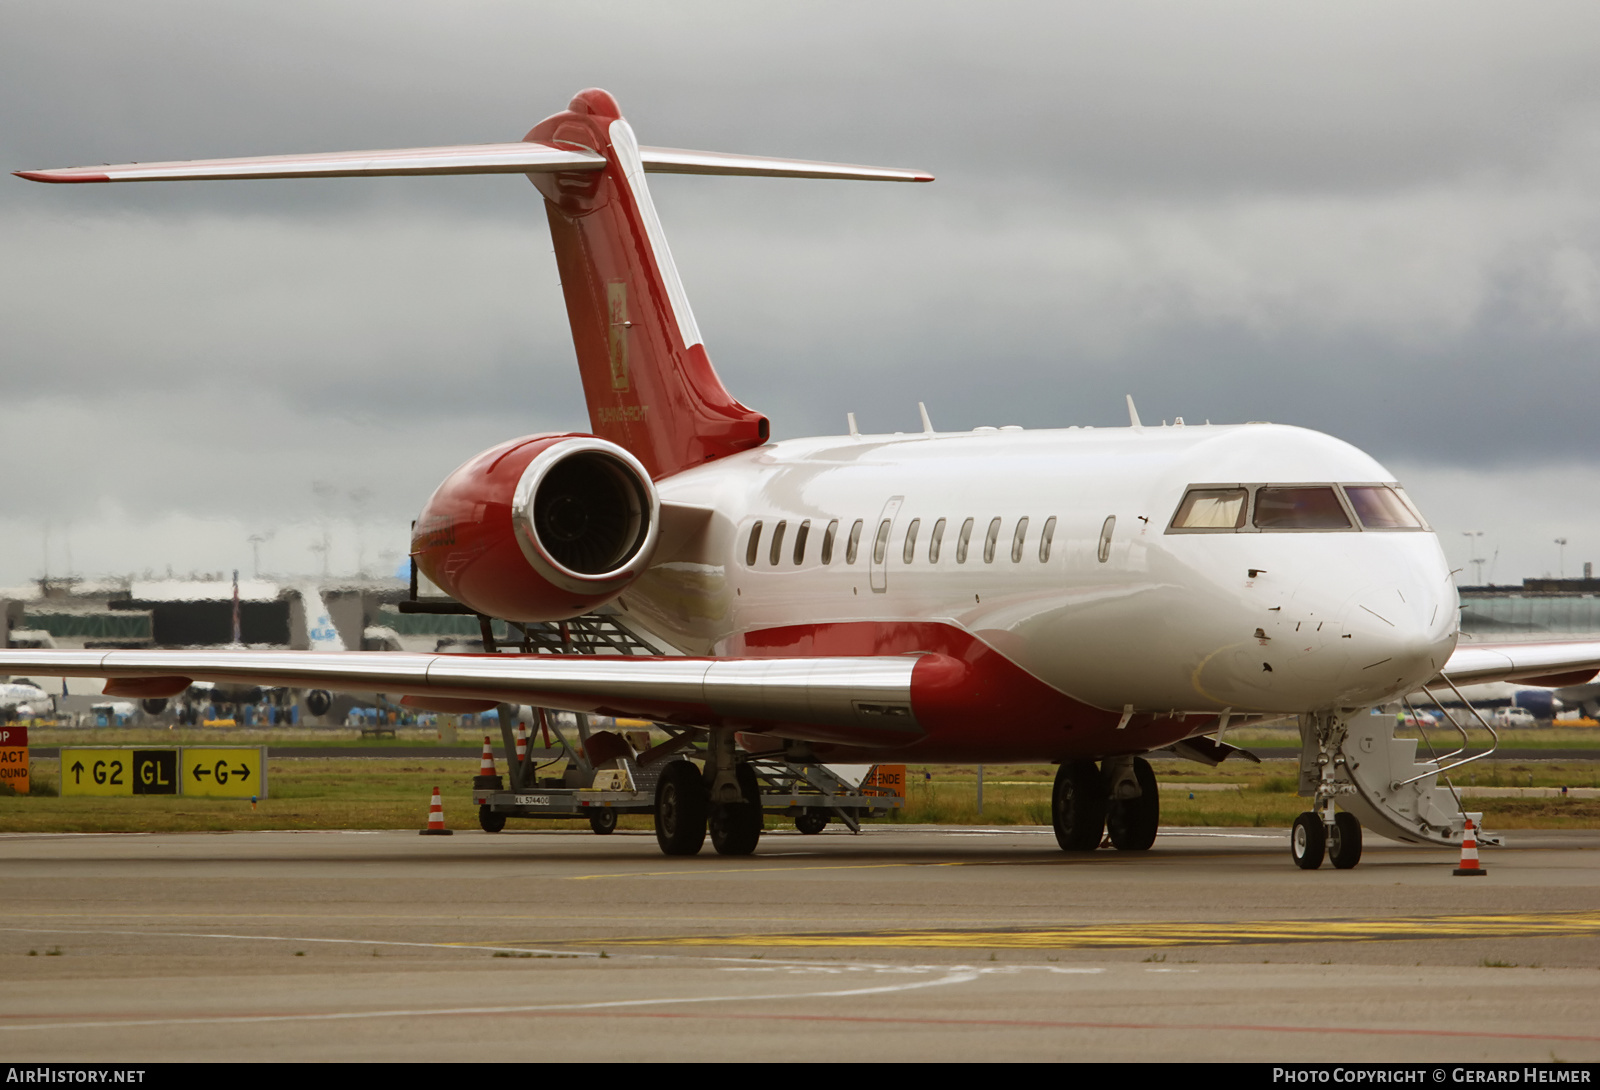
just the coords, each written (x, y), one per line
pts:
(1355, 759)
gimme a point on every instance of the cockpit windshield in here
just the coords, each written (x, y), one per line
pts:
(1273, 508)
(1212, 509)
(1305, 508)
(1380, 507)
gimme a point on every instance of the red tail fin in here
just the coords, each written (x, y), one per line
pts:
(648, 381)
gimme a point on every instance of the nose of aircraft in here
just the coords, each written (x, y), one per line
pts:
(1370, 619)
(1400, 632)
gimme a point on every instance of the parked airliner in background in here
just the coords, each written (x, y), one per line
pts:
(24, 700)
(1083, 596)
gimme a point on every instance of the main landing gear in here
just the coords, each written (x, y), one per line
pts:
(724, 799)
(681, 809)
(1118, 797)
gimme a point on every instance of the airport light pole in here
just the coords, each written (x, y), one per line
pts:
(1474, 540)
(324, 547)
(1561, 553)
(255, 541)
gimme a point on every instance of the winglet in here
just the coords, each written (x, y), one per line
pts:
(1133, 414)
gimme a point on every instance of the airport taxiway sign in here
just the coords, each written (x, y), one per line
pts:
(224, 772)
(217, 771)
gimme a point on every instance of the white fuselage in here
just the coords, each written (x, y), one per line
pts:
(1252, 621)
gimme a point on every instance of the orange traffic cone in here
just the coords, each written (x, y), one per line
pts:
(487, 778)
(436, 818)
(1469, 853)
(522, 742)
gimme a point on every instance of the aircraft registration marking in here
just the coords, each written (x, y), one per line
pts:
(1178, 933)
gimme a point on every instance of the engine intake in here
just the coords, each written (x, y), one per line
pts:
(583, 511)
(541, 528)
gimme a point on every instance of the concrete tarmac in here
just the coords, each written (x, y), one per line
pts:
(904, 943)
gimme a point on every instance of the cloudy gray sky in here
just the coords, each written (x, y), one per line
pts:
(1377, 220)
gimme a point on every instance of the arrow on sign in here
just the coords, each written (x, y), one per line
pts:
(201, 770)
(77, 771)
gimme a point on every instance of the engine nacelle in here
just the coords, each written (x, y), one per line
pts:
(542, 528)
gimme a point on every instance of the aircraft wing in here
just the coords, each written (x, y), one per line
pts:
(845, 699)
(1551, 664)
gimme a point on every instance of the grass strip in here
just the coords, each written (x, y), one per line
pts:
(393, 793)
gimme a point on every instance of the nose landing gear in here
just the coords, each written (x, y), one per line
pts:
(1310, 839)
(1324, 775)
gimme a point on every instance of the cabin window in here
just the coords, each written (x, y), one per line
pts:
(963, 541)
(853, 544)
(753, 550)
(880, 545)
(827, 541)
(909, 553)
(1211, 509)
(935, 541)
(1314, 507)
(1046, 536)
(1382, 507)
(990, 540)
(1107, 528)
(800, 542)
(1017, 538)
(777, 542)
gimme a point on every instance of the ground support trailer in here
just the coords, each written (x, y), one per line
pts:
(813, 794)
(809, 793)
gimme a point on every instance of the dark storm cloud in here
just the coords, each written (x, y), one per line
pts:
(1378, 221)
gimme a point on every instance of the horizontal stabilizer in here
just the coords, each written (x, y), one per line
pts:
(520, 157)
(679, 161)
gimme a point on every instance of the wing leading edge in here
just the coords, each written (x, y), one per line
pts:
(1551, 664)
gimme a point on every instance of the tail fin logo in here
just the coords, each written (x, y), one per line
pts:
(617, 304)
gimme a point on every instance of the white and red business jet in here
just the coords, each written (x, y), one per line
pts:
(1081, 596)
